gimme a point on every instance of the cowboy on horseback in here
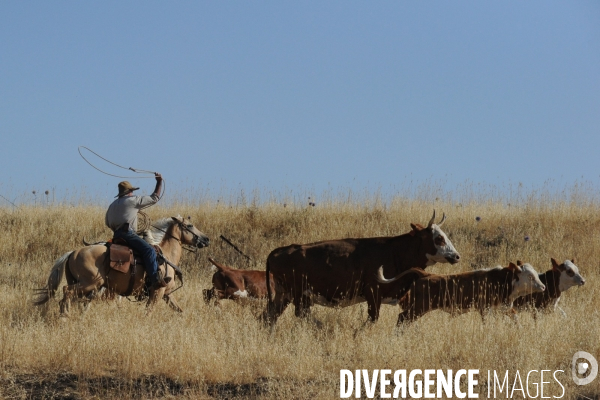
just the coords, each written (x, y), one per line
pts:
(122, 218)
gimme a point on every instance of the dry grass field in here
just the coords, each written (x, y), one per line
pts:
(114, 351)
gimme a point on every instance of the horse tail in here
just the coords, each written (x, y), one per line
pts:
(56, 276)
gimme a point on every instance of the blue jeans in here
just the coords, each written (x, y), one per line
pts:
(143, 249)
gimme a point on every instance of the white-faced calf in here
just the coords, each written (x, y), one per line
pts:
(458, 293)
(557, 280)
(235, 284)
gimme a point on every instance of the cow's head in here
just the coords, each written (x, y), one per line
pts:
(438, 248)
(526, 280)
(569, 274)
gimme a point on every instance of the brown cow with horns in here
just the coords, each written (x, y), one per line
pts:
(340, 273)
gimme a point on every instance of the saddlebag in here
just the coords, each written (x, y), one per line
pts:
(120, 257)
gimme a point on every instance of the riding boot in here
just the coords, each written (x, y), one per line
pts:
(159, 283)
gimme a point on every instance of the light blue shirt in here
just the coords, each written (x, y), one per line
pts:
(125, 210)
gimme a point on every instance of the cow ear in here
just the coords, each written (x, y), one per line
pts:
(414, 230)
(519, 263)
(573, 260)
(554, 263)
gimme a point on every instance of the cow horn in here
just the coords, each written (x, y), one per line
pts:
(443, 219)
(432, 220)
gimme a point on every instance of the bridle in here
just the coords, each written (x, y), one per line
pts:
(195, 238)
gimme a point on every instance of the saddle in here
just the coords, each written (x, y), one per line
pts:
(122, 256)
(123, 259)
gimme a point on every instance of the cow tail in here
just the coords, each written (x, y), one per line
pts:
(220, 267)
(56, 276)
(269, 291)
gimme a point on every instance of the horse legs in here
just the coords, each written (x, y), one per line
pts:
(84, 306)
(72, 292)
(172, 302)
(155, 294)
(65, 302)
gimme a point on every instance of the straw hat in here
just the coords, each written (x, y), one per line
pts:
(125, 188)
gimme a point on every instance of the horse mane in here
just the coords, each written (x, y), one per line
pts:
(157, 230)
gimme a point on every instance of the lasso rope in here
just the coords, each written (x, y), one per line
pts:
(143, 219)
(138, 171)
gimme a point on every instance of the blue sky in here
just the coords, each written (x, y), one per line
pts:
(299, 96)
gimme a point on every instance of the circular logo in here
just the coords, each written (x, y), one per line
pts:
(584, 368)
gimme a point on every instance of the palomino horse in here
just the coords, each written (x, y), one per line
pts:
(87, 269)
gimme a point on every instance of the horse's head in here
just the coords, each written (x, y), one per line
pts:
(190, 235)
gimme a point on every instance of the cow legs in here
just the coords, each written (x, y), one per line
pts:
(275, 308)
(409, 314)
(211, 295)
(402, 317)
(374, 304)
(302, 305)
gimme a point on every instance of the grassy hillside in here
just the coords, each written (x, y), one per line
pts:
(114, 351)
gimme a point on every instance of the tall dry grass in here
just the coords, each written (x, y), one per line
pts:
(114, 351)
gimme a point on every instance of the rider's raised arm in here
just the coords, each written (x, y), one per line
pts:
(158, 187)
(146, 201)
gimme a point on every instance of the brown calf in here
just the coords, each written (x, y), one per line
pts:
(458, 293)
(235, 284)
(557, 280)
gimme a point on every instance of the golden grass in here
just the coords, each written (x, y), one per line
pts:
(114, 351)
